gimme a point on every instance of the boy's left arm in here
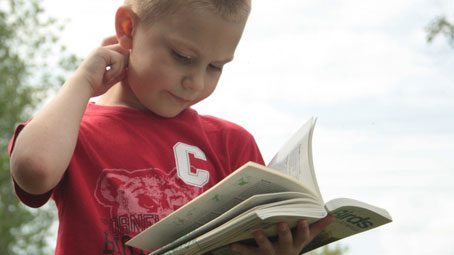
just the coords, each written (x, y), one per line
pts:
(287, 243)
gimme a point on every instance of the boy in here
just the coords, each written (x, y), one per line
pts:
(118, 166)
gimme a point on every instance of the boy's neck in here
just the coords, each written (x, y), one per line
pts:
(120, 95)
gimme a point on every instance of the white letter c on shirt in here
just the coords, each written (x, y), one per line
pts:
(181, 152)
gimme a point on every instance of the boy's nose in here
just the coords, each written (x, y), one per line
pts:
(194, 81)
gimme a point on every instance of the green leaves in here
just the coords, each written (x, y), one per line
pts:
(32, 64)
(440, 25)
(330, 250)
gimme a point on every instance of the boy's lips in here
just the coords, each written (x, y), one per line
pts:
(180, 99)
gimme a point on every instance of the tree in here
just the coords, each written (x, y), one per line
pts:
(440, 25)
(27, 73)
(329, 250)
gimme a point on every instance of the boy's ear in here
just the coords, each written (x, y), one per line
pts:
(124, 26)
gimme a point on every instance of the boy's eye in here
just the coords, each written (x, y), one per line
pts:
(181, 57)
(215, 68)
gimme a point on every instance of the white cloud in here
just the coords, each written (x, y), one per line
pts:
(88, 22)
(327, 58)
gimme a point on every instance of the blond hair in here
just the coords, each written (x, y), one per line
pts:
(153, 9)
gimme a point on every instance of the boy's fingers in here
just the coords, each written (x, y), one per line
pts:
(109, 40)
(111, 78)
(242, 249)
(302, 235)
(116, 63)
(285, 237)
(318, 226)
(117, 60)
(116, 70)
(265, 246)
(118, 48)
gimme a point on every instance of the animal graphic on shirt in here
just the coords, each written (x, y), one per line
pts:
(143, 191)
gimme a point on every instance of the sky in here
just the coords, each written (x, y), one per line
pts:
(382, 95)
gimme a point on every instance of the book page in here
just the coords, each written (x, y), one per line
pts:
(352, 217)
(249, 180)
(239, 228)
(295, 157)
(254, 201)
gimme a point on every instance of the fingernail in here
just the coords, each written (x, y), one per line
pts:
(283, 227)
(302, 223)
(258, 234)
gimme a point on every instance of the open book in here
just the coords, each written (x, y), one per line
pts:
(256, 196)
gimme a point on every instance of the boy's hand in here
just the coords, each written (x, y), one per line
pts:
(105, 66)
(287, 243)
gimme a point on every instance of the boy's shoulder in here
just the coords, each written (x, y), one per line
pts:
(216, 124)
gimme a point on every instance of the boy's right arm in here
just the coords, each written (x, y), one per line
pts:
(43, 149)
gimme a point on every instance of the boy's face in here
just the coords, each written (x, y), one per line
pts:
(177, 60)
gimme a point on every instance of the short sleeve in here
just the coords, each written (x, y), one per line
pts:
(250, 152)
(28, 199)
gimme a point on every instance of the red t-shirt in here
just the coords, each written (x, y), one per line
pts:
(131, 168)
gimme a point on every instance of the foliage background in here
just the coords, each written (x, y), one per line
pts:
(29, 71)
